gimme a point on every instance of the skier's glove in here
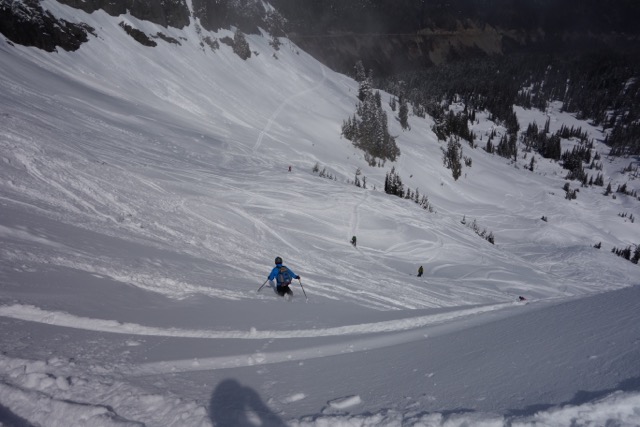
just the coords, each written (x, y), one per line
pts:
(298, 277)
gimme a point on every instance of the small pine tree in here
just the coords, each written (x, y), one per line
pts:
(393, 103)
(489, 148)
(378, 99)
(360, 73)
(490, 238)
(393, 183)
(275, 43)
(364, 88)
(241, 46)
(403, 113)
(452, 157)
(608, 190)
(275, 24)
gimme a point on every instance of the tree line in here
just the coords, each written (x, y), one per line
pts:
(603, 88)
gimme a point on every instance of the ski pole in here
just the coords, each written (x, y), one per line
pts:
(305, 294)
(265, 282)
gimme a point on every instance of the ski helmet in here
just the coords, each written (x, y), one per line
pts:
(278, 260)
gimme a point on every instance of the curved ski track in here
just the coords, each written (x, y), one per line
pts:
(395, 332)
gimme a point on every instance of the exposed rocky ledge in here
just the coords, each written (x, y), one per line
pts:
(168, 13)
(26, 23)
(29, 25)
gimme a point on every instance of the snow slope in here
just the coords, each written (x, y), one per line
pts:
(145, 192)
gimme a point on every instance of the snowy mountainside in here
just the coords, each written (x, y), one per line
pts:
(145, 193)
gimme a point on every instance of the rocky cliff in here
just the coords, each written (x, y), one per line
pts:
(25, 22)
(387, 35)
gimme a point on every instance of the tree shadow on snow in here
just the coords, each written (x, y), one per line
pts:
(234, 405)
(9, 419)
(580, 398)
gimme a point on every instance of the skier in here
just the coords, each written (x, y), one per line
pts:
(420, 271)
(353, 241)
(283, 276)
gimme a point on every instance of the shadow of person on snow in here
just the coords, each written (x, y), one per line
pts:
(9, 419)
(233, 405)
(581, 397)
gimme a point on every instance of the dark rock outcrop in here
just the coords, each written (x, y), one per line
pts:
(247, 15)
(26, 23)
(168, 13)
(138, 35)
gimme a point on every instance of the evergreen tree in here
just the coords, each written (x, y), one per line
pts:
(453, 124)
(552, 148)
(241, 46)
(403, 113)
(364, 87)
(360, 73)
(393, 103)
(507, 147)
(275, 23)
(393, 183)
(608, 190)
(368, 129)
(452, 157)
(602, 87)
(378, 99)
(489, 148)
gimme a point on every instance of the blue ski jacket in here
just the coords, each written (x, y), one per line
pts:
(276, 270)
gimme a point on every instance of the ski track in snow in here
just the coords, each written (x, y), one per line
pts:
(345, 402)
(284, 103)
(355, 217)
(402, 331)
(395, 332)
(34, 314)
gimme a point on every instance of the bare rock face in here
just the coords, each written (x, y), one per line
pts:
(389, 36)
(246, 15)
(26, 23)
(168, 13)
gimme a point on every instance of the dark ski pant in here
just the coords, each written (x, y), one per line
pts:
(284, 289)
